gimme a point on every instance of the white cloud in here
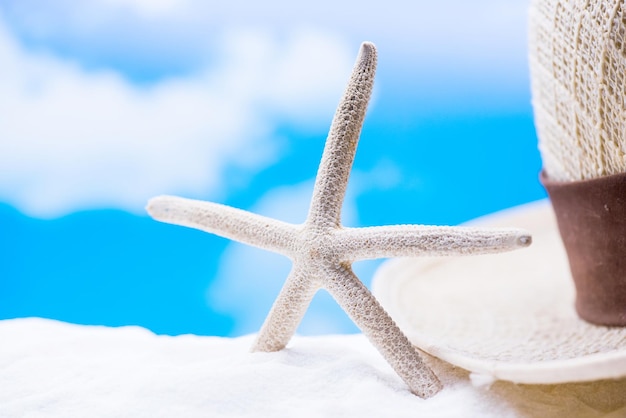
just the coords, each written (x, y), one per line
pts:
(71, 139)
(75, 139)
(484, 36)
(148, 8)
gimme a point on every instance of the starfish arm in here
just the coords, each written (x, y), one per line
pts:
(286, 313)
(224, 221)
(417, 240)
(334, 169)
(382, 331)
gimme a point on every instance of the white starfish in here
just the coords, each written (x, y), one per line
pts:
(322, 250)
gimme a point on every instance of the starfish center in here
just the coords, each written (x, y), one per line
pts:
(317, 245)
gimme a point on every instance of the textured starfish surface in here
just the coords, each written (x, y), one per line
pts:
(322, 250)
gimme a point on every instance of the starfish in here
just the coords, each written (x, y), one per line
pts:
(322, 250)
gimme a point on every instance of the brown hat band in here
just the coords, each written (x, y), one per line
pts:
(591, 215)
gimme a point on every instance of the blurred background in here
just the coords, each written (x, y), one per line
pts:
(106, 103)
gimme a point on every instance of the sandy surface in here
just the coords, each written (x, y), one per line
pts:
(55, 369)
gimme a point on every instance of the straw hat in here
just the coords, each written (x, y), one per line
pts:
(578, 81)
(504, 316)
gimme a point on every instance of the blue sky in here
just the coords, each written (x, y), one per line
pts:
(106, 103)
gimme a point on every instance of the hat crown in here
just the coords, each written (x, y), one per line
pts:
(577, 54)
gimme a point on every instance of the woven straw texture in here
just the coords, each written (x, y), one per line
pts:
(577, 52)
(506, 316)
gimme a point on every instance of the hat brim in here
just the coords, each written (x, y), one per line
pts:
(506, 316)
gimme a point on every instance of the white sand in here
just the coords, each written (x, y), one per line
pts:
(54, 369)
